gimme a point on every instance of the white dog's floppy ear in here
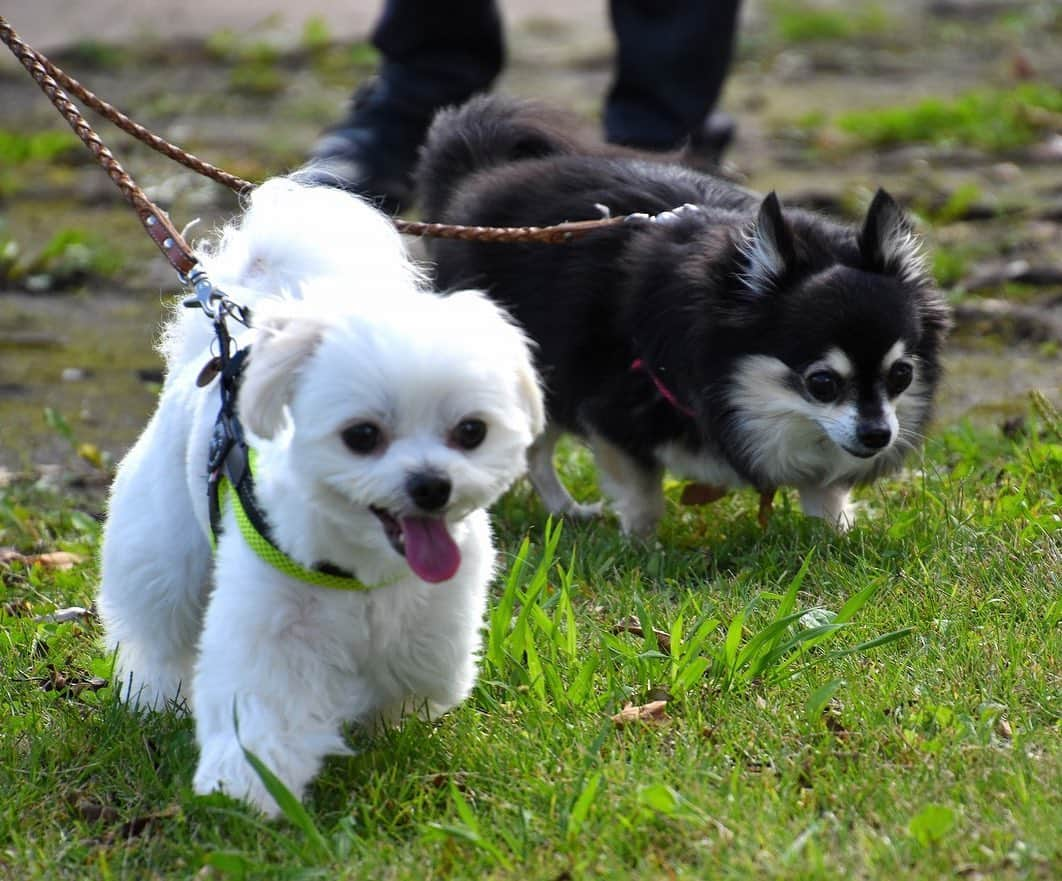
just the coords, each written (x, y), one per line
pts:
(282, 345)
(530, 392)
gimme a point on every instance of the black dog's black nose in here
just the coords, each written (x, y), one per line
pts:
(430, 491)
(874, 437)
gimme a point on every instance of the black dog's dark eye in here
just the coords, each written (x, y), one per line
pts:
(824, 385)
(361, 437)
(469, 433)
(900, 376)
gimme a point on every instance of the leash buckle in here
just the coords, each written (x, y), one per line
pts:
(204, 292)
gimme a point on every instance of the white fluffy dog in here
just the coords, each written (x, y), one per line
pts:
(384, 419)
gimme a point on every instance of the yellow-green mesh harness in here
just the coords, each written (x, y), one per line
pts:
(273, 555)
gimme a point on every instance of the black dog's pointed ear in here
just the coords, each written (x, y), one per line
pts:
(768, 247)
(888, 244)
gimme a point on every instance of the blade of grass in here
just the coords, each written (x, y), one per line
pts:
(884, 639)
(821, 697)
(289, 805)
(581, 807)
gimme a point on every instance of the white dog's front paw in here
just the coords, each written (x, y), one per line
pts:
(224, 768)
(294, 760)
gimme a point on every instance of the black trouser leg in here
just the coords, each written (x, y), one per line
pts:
(672, 58)
(439, 52)
(434, 53)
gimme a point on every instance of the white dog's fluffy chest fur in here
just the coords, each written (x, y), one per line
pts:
(374, 648)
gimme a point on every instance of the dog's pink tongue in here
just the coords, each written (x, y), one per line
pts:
(430, 551)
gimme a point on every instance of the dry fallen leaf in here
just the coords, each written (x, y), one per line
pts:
(654, 711)
(140, 825)
(634, 627)
(16, 608)
(56, 560)
(93, 811)
(134, 828)
(93, 455)
(61, 560)
(1021, 68)
(71, 683)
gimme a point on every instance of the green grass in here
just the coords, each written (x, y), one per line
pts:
(884, 704)
(259, 67)
(993, 120)
(71, 257)
(19, 148)
(798, 22)
(987, 119)
(949, 265)
(90, 54)
(22, 155)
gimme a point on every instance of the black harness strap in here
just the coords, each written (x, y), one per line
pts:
(229, 454)
(229, 459)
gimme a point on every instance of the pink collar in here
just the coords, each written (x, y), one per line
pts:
(665, 392)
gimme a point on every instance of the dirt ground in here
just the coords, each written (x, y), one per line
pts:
(249, 85)
(59, 23)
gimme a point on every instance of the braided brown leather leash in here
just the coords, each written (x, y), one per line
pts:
(114, 115)
(53, 81)
(155, 220)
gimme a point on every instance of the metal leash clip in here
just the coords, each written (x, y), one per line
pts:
(204, 292)
(218, 307)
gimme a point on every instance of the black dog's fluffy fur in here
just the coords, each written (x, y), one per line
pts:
(690, 297)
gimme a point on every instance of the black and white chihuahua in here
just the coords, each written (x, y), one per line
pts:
(729, 341)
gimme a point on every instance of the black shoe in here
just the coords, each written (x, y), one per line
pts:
(374, 150)
(709, 142)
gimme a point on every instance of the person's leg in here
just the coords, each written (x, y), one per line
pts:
(433, 55)
(672, 58)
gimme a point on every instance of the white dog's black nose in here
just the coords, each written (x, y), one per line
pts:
(874, 437)
(429, 490)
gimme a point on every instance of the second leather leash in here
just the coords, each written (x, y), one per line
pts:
(53, 81)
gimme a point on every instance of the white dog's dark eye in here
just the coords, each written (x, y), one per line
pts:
(361, 437)
(824, 385)
(469, 433)
(900, 376)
